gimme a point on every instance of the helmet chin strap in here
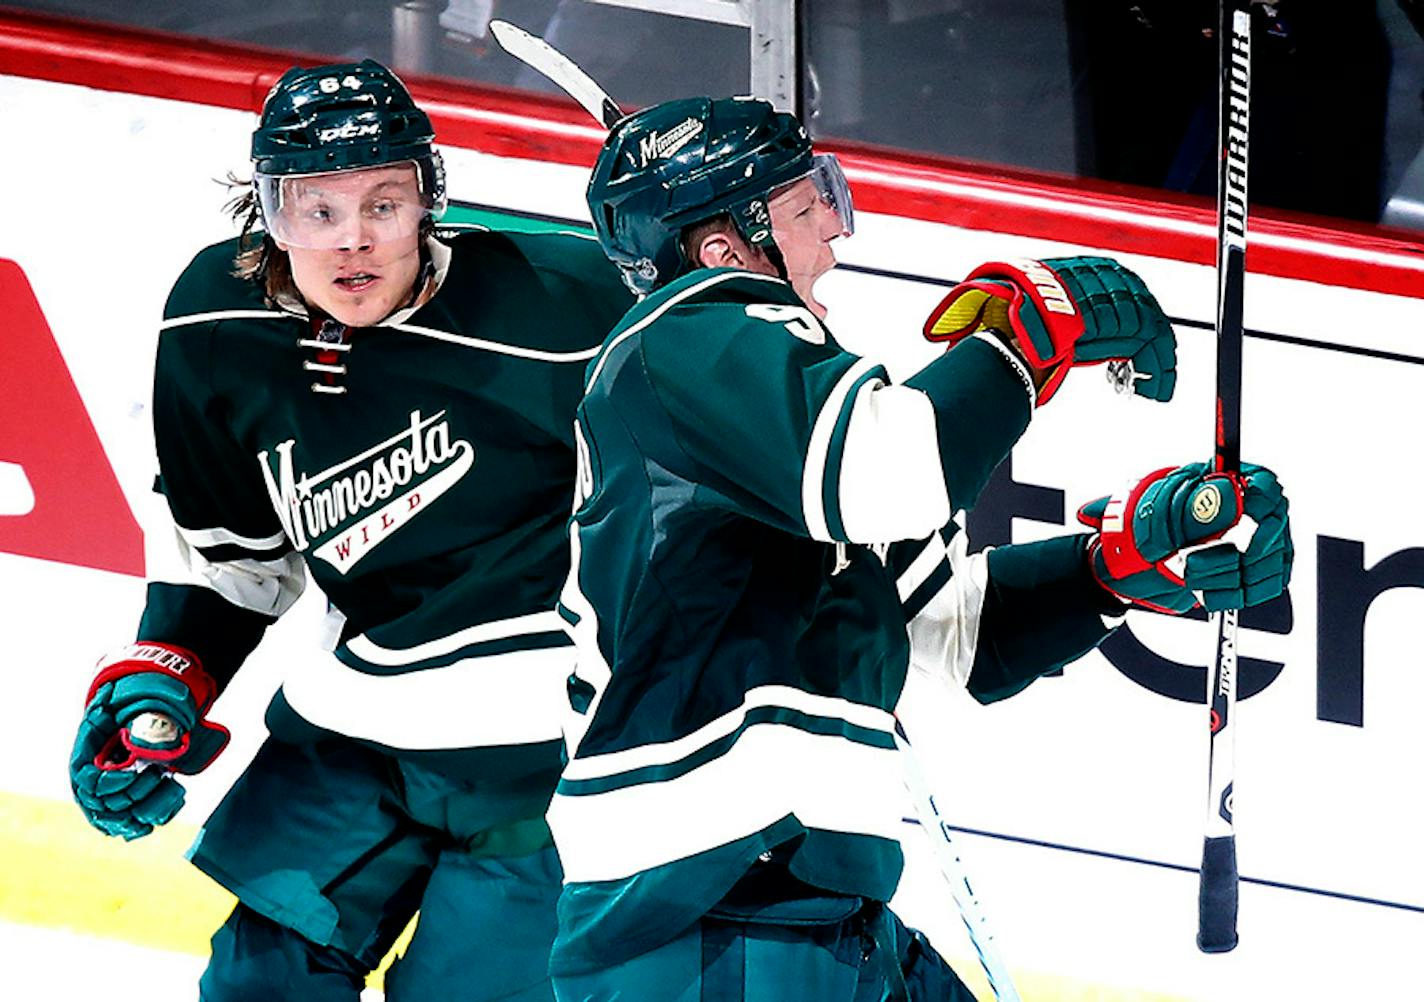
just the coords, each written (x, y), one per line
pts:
(753, 221)
(424, 275)
(778, 261)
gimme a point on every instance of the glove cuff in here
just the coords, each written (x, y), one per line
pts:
(1048, 332)
(175, 662)
(1117, 545)
(1098, 564)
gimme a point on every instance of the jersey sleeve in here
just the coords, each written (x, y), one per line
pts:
(995, 621)
(1042, 609)
(770, 413)
(982, 405)
(233, 570)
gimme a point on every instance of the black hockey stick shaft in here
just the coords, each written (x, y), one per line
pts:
(1219, 886)
(1234, 129)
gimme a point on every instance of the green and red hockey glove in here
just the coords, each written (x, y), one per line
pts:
(1171, 543)
(145, 718)
(1062, 312)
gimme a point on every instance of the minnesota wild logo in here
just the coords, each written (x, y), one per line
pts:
(360, 502)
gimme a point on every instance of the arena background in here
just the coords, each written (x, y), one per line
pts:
(1080, 802)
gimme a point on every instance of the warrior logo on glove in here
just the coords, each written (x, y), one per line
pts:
(1206, 504)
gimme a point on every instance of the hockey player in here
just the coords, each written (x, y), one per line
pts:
(349, 392)
(747, 592)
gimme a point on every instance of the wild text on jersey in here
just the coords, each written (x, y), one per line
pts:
(369, 496)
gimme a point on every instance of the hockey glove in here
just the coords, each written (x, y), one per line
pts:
(1063, 312)
(144, 719)
(1169, 545)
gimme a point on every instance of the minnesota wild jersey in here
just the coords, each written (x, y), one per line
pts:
(420, 471)
(762, 545)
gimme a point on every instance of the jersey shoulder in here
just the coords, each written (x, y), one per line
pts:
(727, 286)
(554, 291)
(573, 253)
(713, 325)
(710, 297)
(565, 262)
(710, 308)
(213, 320)
(209, 285)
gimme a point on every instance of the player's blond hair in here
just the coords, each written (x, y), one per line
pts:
(258, 257)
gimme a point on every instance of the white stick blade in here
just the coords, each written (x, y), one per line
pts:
(533, 51)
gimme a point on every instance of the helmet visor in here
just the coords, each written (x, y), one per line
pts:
(349, 208)
(831, 185)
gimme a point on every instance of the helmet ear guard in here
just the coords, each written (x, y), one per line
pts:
(753, 221)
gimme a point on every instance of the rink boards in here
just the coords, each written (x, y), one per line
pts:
(1081, 800)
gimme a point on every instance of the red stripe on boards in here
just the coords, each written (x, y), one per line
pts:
(517, 124)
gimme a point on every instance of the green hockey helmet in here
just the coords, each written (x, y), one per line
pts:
(340, 119)
(683, 162)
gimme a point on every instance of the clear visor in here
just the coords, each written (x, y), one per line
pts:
(349, 208)
(830, 182)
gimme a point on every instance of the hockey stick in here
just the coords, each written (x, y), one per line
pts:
(952, 867)
(538, 54)
(1218, 889)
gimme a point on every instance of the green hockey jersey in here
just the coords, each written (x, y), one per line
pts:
(419, 471)
(762, 545)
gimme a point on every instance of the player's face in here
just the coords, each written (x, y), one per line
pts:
(366, 263)
(804, 224)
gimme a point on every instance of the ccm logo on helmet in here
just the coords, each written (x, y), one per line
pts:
(1055, 297)
(349, 130)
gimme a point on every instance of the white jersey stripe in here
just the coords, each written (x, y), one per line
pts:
(503, 349)
(269, 587)
(582, 355)
(592, 666)
(920, 569)
(773, 770)
(208, 538)
(891, 472)
(386, 657)
(667, 752)
(518, 697)
(201, 318)
(944, 636)
(813, 475)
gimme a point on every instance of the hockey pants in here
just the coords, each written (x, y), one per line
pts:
(331, 849)
(867, 956)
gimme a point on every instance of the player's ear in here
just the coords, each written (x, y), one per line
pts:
(719, 250)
